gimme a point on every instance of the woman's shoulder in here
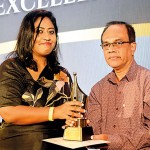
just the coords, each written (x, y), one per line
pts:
(10, 63)
(63, 69)
(63, 74)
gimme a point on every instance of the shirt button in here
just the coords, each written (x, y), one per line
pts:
(119, 92)
(114, 126)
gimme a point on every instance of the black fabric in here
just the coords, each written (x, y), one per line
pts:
(15, 81)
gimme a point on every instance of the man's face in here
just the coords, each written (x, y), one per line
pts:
(118, 56)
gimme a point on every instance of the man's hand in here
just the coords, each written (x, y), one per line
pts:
(70, 123)
(100, 137)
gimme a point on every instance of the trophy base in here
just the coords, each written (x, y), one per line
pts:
(78, 133)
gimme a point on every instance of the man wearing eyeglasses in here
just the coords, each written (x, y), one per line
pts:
(119, 105)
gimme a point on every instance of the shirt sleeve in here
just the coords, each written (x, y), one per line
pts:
(94, 110)
(145, 126)
(11, 84)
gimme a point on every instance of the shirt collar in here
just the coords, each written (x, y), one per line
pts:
(129, 76)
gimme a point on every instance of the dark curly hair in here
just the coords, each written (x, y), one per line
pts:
(24, 45)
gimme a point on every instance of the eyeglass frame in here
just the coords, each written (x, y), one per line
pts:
(120, 43)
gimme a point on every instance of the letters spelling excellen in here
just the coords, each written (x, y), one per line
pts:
(40, 5)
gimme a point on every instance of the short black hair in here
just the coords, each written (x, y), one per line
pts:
(130, 29)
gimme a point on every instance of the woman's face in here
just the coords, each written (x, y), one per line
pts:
(46, 38)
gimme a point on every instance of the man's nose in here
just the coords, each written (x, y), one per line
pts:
(111, 48)
(111, 45)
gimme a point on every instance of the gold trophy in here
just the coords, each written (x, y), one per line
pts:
(80, 131)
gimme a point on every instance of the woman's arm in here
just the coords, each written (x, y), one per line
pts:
(23, 115)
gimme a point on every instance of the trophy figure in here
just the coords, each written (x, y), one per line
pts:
(80, 131)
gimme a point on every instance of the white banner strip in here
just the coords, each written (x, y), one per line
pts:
(64, 37)
(80, 35)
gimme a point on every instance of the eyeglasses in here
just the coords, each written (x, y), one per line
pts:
(118, 44)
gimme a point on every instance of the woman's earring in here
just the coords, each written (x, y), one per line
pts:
(56, 46)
